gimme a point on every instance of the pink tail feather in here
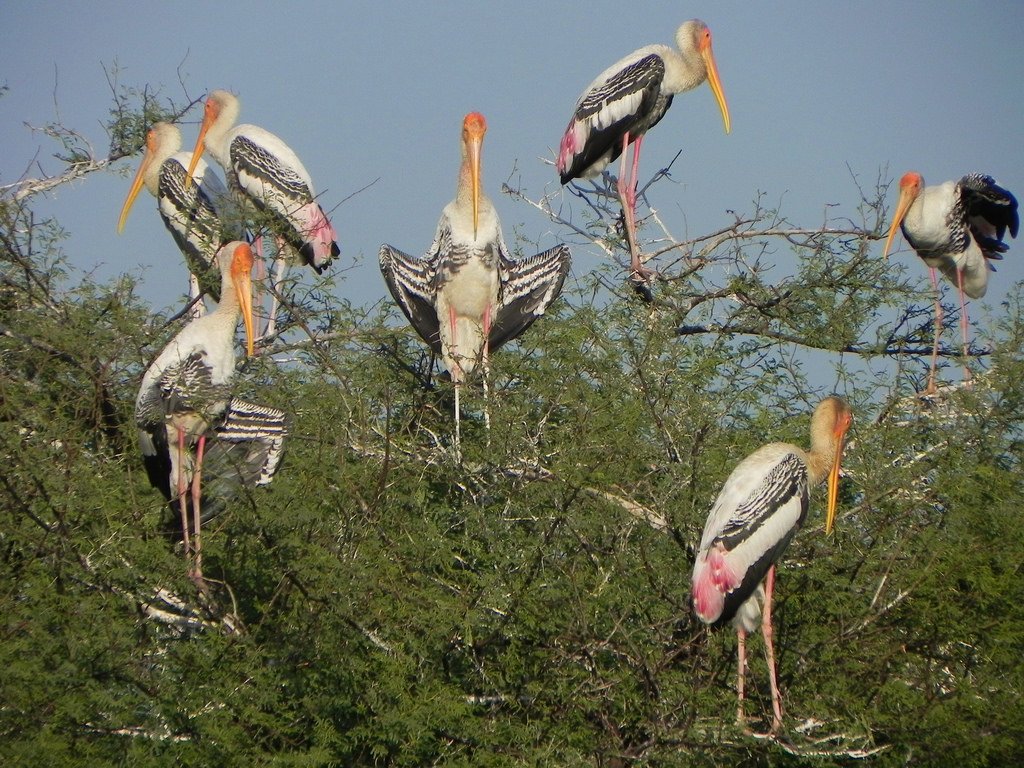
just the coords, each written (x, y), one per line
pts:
(713, 579)
(318, 232)
(571, 141)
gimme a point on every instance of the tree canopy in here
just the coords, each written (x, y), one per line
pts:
(382, 604)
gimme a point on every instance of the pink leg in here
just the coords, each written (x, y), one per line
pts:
(769, 648)
(457, 381)
(741, 673)
(280, 270)
(182, 498)
(485, 361)
(931, 389)
(197, 569)
(261, 277)
(963, 320)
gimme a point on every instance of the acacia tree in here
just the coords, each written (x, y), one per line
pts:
(381, 604)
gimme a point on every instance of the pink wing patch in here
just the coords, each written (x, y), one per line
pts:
(567, 150)
(319, 234)
(713, 579)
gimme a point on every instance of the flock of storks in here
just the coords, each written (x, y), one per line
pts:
(466, 296)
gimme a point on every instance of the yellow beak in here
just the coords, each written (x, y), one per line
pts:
(833, 475)
(716, 85)
(200, 147)
(241, 276)
(475, 146)
(140, 175)
(905, 201)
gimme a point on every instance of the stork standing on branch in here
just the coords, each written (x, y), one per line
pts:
(956, 227)
(270, 175)
(185, 401)
(196, 214)
(759, 509)
(466, 296)
(623, 103)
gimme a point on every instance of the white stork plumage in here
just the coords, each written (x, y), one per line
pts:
(466, 296)
(197, 215)
(270, 175)
(627, 100)
(185, 400)
(759, 509)
(956, 227)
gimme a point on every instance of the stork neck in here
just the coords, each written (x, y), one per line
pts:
(229, 305)
(216, 134)
(464, 191)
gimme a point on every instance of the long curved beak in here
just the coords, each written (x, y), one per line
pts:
(902, 206)
(716, 84)
(475, 144)
(241, 276)
(140, 175)
(200, 147)
(833, 475)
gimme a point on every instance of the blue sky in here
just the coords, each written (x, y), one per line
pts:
(373, 90)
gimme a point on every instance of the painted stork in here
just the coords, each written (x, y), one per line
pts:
(627, 100)
(466, 296)
(270, 175)
(759, 509)
(196, 215)
(956, 227)
(185, 400)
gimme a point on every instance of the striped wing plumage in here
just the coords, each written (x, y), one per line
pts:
(527, 289)
(194, 219)
(243, 450)
(280, 187)
(760, 508)
(629, 100)
(412, 283)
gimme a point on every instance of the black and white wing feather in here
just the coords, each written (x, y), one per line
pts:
(243, 451)
(627, 100)
(193, 214)
(757, 513)
(412, 282)
(991, 211)
(527, 289)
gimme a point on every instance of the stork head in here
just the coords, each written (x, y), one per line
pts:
(695, 35)
(474, 126)
(910, 187)
(240, 271)
(162, 141)
(218, 103)
(835, 418)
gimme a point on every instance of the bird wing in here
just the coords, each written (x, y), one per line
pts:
(411, 282)
(270, 173)
(527, 289)
(188, 387)
(191, 216)
(607, 110)
(244, 450)
(267, 177)
(757, 512)
(991, 211)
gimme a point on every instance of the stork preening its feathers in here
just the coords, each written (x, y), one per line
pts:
(627, 100)
(958, 228)
(466, 296)
(759, 509)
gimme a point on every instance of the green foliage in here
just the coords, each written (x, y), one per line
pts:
(381, 604)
